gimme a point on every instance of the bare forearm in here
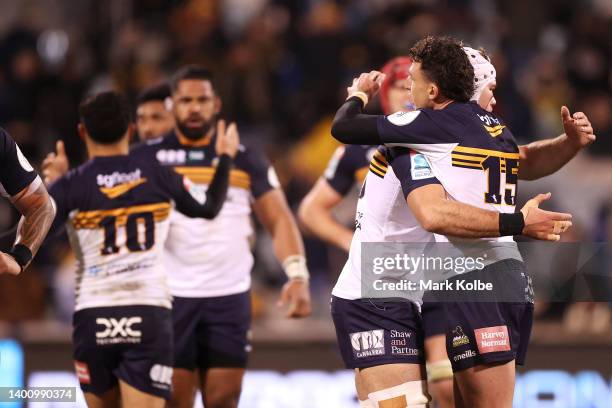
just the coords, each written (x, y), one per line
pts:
(461, 220)
(544, 157)
(38, 214)
(286, 237)
(323, 225)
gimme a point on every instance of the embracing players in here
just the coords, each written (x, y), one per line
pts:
(446, 127)
(116, 207)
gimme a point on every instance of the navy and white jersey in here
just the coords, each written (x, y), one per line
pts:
(209, 258)
(117, 210)
(470, 150)
(16, 173)
(382, 212)
(348, 166)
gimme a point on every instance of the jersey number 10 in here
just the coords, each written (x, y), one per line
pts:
(134, 241)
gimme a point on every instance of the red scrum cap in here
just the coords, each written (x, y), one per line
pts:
(395, 70)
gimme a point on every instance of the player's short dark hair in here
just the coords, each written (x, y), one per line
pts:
(106, 116)
(444, 62)
(157, 92)
(190, 72)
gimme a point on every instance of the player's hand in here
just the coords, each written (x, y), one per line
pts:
(55, 164)
(296, 294)
(541, 224)
(228, 139)
(9, 265)
(578, 128)
(368, 83)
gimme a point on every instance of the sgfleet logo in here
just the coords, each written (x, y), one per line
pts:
(115, 178)
(115, 184)
(368, 343)
(489, 120)
(117, 331)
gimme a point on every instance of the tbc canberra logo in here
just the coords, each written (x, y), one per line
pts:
(368, 343)
(118, 331)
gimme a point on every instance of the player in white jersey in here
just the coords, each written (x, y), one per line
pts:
(456, 127)
(20, 183)
(117, 206)
(210, 261)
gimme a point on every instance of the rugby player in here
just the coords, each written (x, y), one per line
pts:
(20, 183)
(315, 213)
(349, 165)
(153, 118)
(210, 261)
(116, 207)
(352, 125)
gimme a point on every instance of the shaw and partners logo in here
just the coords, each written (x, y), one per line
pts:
(115, 184)
(117, 331)
(368, 343)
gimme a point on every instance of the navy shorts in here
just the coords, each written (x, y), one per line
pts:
(212, 332)
(434, 319)
(491, 332)
(128, 343)
(374, 332)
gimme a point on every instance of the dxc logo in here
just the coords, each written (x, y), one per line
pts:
(118, 328)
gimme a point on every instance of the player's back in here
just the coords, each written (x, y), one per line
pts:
(471, 152)
(117, 221)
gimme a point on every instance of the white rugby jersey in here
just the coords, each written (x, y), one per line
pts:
(209, 258)
(383, 214)
(116, 210)
(471, 152)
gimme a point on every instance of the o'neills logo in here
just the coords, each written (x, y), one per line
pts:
(115, 184)
(464, 355)
(459, 337)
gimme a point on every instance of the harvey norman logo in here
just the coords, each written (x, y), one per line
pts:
(368, 343)
(492, 339)
(115, 184)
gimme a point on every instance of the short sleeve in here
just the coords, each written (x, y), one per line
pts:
(340, 172)
(261, 173)
(411, 168)
(16, 173)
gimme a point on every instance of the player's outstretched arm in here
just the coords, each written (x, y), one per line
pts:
(315, 214)
(437, 214)
(188, 197)
(544, 157)
(272, 210)
(38, 213)
(351, 125)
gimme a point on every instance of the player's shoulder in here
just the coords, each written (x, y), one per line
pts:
(5, 141)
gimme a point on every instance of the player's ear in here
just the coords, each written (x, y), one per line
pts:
(433, 91)
(82, 131)
(218, 104)
(130, 132)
